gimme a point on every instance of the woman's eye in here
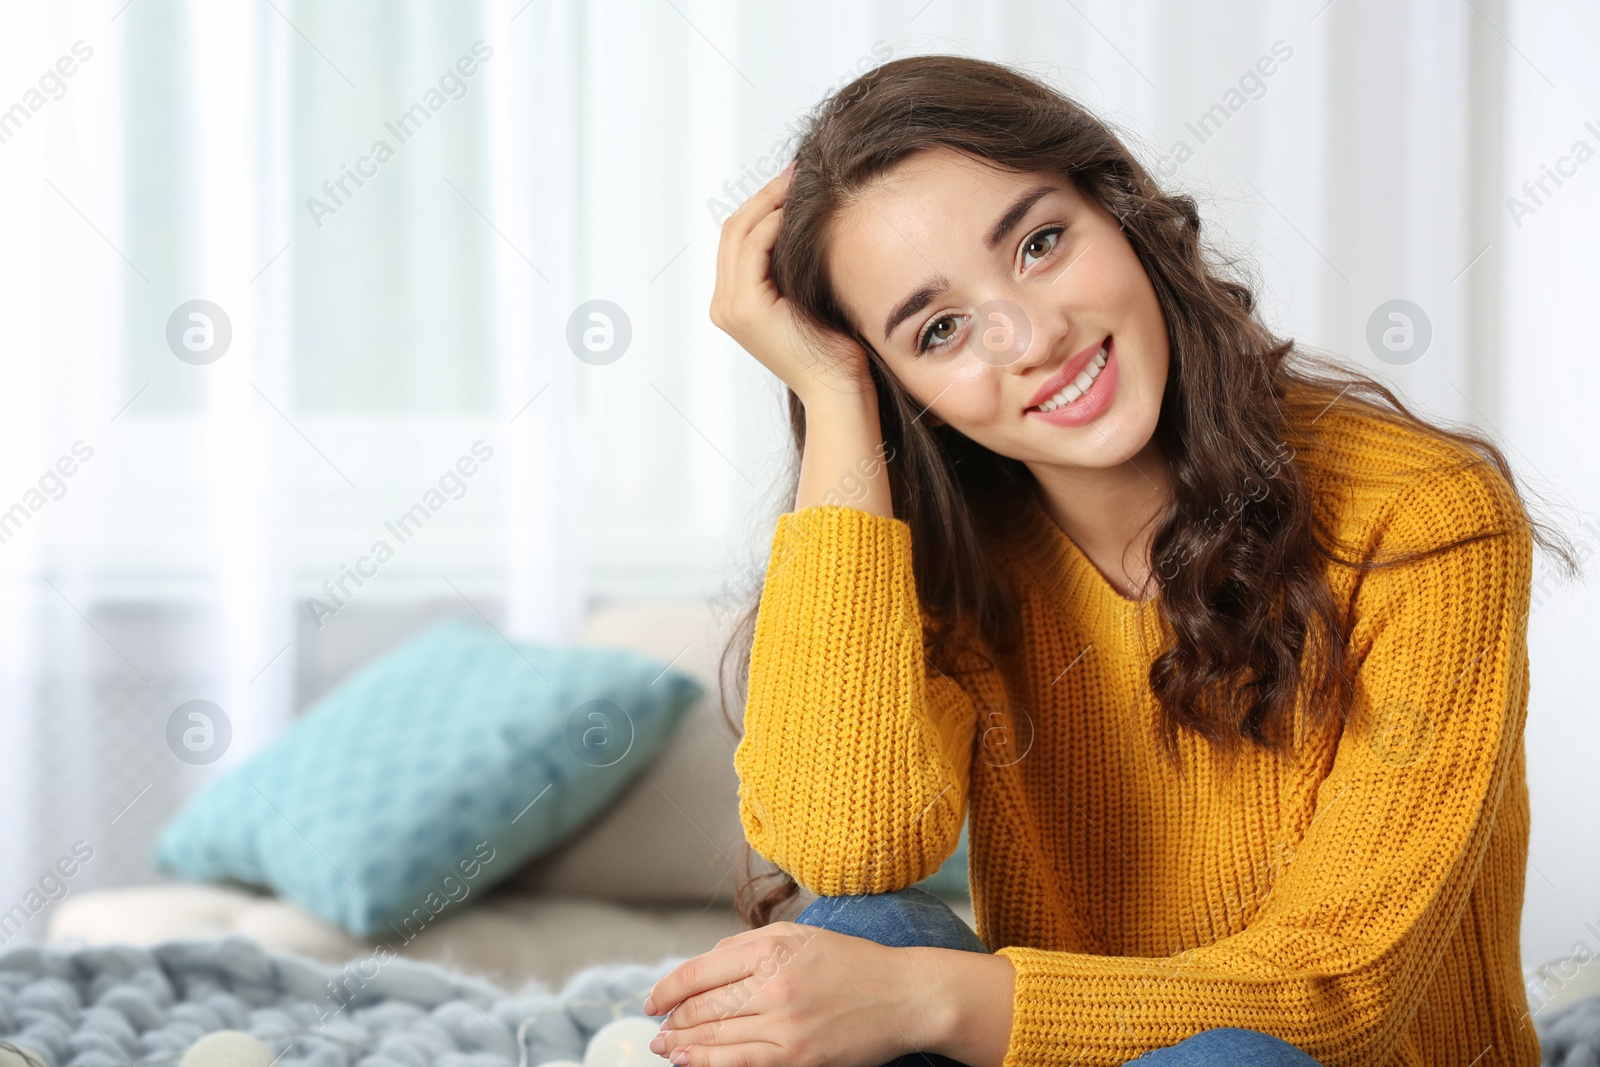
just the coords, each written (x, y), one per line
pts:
(933, 333)
(1039, 240)
(934, 338)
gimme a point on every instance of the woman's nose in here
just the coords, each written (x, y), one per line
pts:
(1003, 333)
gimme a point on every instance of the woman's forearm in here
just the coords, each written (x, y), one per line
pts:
(843, 461)
(971, 996)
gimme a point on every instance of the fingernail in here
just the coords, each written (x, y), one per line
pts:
(649, 1004)
(789, 169)
(658, 1044)
(680, 1055)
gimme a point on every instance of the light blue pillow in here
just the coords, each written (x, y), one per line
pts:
(950, 880)
(430, 775)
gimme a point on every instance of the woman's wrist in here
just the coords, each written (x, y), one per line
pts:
(971, 995)
(825, 399)
(844, 460)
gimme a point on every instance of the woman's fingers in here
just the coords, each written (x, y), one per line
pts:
(710, 1007)
(734, 1030)
(755, 258)
(707, 971)
(754, 954)
(750, 1054)
(763, 200)
(735, 229)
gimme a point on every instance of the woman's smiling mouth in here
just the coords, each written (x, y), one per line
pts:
(1081, 390)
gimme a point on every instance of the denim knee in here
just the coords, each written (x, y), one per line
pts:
(1228, 1047)
(902, 919)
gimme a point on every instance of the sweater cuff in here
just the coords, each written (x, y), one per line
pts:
(1106, 1022)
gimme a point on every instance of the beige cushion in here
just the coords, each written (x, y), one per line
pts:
(145, 915)
(674, 834)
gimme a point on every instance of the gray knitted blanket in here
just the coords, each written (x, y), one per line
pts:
(1571, 1037)
(131, 1007)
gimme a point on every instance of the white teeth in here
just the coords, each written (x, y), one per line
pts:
(1079, 385)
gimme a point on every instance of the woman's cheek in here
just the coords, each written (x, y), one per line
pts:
(969, 371)
(970, 393)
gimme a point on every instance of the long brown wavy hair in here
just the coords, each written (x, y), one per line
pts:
(1251, 623)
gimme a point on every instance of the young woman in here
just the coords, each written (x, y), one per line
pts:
(1218, 650)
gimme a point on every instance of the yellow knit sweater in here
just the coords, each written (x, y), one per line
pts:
(1361, 901)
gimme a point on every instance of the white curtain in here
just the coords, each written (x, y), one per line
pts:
(224, 503)
(1356, 153)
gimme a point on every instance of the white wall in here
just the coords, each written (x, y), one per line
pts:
(1549, 377)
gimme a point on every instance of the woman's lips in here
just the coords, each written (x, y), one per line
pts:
(1088, 406)
(1069, 370)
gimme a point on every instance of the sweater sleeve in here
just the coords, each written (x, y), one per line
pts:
(1346, 941)
(853, 767)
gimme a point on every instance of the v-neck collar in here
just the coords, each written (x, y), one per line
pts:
(1044, 534)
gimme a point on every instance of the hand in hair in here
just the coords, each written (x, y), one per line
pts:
(746, 305)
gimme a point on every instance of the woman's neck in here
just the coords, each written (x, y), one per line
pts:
(1109, 511)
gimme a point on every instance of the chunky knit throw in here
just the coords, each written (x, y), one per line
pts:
(112, 1007)
(1571, 1037)
(134, 1007)
(1361, 901)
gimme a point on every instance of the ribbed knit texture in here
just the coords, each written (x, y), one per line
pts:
(1361, 901)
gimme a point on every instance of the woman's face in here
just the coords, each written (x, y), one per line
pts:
(993, 297)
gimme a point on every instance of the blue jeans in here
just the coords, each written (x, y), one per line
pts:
(912, 917)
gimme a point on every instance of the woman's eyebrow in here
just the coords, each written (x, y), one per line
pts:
(1019, 207)
(938, 283)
